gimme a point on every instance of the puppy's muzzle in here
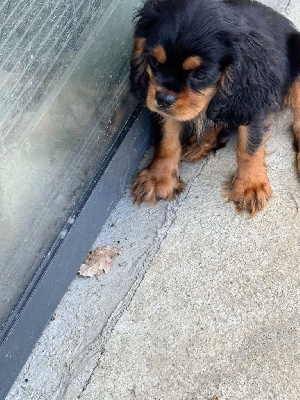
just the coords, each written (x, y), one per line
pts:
(165, 100)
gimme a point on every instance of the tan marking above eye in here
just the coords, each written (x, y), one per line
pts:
(191, 63)
(160, 54)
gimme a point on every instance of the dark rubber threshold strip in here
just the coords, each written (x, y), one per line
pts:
(59, 268)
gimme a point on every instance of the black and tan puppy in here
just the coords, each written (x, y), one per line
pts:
(208, 67)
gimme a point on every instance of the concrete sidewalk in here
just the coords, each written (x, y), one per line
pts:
(202, 302)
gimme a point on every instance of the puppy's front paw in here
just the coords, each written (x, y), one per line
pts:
(249, 193)
(152, 185)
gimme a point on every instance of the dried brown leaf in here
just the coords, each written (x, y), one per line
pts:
(98, 260)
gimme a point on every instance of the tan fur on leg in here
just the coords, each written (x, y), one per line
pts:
(250, 188)
(293, 101)
(160, 180)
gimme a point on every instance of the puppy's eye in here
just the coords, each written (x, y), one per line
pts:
(153, 61)
(198, 75)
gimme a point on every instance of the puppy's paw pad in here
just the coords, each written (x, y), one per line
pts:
(150, 187)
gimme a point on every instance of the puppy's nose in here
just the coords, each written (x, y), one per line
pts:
(165, 100)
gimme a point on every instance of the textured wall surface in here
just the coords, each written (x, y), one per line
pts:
(64, 96)
(38, 40)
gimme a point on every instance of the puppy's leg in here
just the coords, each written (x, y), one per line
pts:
(160, 180)
(293, 100)
(250, 188)
(211, 141)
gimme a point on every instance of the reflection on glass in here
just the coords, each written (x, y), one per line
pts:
(64, 94)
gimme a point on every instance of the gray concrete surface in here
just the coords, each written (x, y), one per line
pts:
(202, 302)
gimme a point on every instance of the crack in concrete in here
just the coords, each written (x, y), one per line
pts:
(61, 389)
(287, 6)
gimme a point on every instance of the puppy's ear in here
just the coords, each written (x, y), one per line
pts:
(250, 81)
(138, 64)
(144, 20)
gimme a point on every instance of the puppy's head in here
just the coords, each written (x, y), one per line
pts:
(179, 57)
(194, 56)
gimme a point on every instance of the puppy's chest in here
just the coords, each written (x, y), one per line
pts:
(199, 127)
